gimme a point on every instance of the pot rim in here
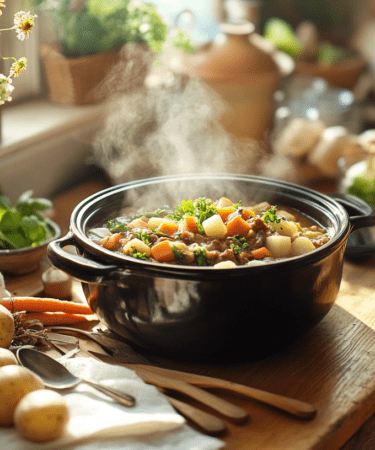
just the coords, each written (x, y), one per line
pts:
(124, 262)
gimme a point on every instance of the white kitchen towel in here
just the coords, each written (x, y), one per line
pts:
(99, 423)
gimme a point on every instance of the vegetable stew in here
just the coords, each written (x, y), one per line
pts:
(219, 233)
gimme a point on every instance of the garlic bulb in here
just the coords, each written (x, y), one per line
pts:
(298, 138)
(336, 142)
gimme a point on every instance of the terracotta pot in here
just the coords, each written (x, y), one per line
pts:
(246, 71)
(344, 75)
(73, 81)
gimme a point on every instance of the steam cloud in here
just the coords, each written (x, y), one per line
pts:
(167, 129)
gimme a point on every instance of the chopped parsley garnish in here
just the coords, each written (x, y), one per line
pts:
(200, 208)
(116, 226)
(143, 236)
(158, 213)
(242, 244)
(238, 205)
(200, 257)
(179, 255)
(140, 255)
(270, 216)
(236, 248)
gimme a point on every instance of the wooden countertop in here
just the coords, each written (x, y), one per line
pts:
(332, 367)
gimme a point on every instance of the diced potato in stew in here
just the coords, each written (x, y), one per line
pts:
(220, 234)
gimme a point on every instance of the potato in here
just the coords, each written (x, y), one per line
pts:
(7, 358)
(214, 227)
(41, 416)
(286, 228)
(15, 383)
(136, 245)
(6, 327)
(279, 246)
(302, 245)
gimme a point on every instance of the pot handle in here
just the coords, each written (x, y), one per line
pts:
(361, 214)
(80, 268)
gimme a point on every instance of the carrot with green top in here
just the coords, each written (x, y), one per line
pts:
(261, 253)
(163, 252)
(36, 304)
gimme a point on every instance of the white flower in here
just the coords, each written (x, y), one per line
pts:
(6, 89)
(17, 67)
(23, 24)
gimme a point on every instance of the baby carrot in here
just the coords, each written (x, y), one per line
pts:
(162, 252)
(36, 304)
(168, 227)
(261, 253)
(56, 318)
(237, 226)
(112, 241)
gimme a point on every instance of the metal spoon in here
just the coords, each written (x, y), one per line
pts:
(56, 376)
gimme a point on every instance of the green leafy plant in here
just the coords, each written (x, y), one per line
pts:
(283, 36)
(363, 185)
(22, 224)
(96, 26)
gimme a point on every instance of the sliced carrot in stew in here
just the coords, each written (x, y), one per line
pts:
(191, 224)
(162, 252)
(168, 227)
(246, 213)
(225, 212)
(237, 226)
(261, 253)
(112, 241)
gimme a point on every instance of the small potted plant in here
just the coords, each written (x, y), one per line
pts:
(91, 35)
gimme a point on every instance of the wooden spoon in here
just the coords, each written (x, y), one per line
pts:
(230, 411)
(207, 422)
(295, 407)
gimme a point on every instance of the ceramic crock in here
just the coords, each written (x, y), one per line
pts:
(205, 313)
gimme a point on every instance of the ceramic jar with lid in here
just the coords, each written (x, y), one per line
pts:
(246, 71)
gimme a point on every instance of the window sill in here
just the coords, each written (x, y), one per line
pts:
(45, 145)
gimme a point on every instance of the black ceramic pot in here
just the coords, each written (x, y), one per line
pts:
(200, 312)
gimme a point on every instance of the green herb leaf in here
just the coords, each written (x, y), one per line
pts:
(21, 224)
(116, 226)
(270, 215)
(143, 236)
(200, 208)
(200, 257)
(140, 255)
(179, 255)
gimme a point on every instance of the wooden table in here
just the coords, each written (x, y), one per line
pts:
(332, 367)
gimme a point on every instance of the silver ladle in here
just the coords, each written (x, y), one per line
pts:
(57, 376)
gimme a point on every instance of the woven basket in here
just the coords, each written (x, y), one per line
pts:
(73, 81)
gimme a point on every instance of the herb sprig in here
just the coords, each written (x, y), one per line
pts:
(22, 224)
(270, 216)
(201, 208)
(200, 257)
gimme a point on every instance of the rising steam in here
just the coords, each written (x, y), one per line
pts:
(169, 128)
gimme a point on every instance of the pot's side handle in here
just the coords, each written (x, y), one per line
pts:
(80, 268)
(361, 214)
